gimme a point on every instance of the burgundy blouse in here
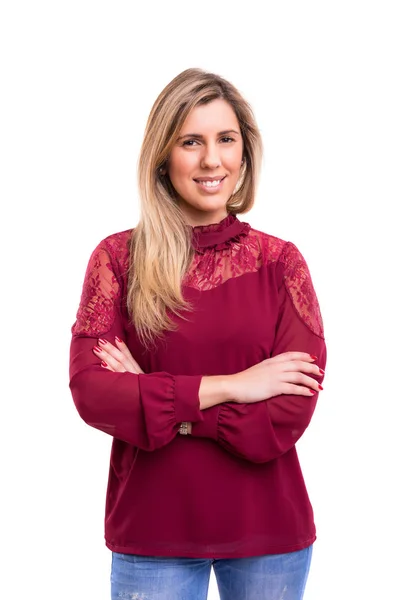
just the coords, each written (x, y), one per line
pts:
(233, 488)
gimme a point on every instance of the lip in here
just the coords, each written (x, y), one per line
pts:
(209, 189)
(216, 178)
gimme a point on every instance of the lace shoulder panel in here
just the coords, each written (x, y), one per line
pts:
(101, 290)
(267, 247)
(300, 288)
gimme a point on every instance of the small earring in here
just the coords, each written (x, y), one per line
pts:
(242, 162)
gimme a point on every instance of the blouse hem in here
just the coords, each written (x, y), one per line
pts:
(256, 551)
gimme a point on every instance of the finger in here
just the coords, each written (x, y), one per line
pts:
(127, 354)
(108, 350)
(105, 365)
(113, 365)
(299, 390)
(304, 367)
(112, 357)
(112, 354)
(303, 380)
(297, 356)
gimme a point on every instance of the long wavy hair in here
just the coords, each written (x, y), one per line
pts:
(161, 245)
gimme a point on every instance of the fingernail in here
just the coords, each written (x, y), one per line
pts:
(101, 341)
(320, 387)
(104, 364)
(312, 391)
(322, 372)
(96, 349)
(117, 338)
(313, 356)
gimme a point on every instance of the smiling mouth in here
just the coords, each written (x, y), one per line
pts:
(210, 183)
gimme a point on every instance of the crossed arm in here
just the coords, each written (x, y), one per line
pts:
(257, 414)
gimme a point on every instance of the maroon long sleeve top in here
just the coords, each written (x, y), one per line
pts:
(234, 487)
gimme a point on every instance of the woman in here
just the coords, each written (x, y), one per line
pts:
(199, 347)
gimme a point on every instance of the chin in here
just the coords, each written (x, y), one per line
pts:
(203, 213)
(211, 208)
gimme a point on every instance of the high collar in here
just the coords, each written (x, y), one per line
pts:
(219, 235)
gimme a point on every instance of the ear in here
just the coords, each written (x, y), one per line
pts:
(162, 169)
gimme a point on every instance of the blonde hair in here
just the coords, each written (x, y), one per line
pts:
(161, 245)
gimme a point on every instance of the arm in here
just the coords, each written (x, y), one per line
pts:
(143, 410)
(265, 430)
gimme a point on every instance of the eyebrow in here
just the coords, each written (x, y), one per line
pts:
(198, 135)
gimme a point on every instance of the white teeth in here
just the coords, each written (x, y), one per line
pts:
(210, 183)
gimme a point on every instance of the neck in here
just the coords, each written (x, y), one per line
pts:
(196, 218)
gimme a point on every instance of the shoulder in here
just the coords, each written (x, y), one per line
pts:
(117, 243)
(115, 248)
(273, 249)
(294, 276)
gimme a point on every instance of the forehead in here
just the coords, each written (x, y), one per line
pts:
(217, 115)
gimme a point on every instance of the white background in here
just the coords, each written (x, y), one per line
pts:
(77, 82)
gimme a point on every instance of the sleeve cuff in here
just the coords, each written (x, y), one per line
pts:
(186, 398)
(208, 426)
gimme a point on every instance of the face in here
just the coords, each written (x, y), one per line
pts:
(205, 163)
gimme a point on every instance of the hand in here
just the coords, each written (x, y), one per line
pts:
(287, 373)
(118, 358)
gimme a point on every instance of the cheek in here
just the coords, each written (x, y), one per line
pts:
(182, 165)
(234, 167)
(233, 159)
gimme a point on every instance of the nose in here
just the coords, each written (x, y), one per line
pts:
(210, 158)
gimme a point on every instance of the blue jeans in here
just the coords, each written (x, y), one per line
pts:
(269, 577)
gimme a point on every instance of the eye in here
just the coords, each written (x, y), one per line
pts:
(227, 140)
(189, 143)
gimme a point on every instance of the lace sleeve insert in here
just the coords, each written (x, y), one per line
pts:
(300, 288)
(100, 292)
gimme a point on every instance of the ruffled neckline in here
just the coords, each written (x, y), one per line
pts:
(219, 235)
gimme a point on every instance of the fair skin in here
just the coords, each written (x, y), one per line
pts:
(204, 167)
(287, 373)
(204, 164)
